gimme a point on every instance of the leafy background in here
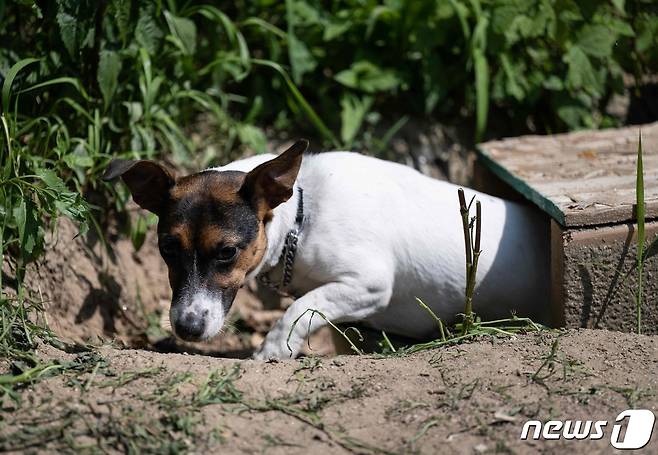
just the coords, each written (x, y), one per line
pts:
(196, 83)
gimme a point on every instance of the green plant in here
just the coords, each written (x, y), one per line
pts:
(640, 214)
(547, 66)
(32, 196)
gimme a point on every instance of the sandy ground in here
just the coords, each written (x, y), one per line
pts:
(123, 396)
(470, 398)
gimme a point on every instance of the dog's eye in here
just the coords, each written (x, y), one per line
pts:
(168, 247)
(226, 254)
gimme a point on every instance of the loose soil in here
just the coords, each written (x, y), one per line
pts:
(140, 391)
(470, 398)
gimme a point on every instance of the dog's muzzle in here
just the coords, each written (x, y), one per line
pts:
(200, 316)
(191, 325)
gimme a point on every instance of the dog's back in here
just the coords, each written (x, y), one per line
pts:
(367, 212)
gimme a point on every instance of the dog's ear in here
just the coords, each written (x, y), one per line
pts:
(272, 182)
(148, 181)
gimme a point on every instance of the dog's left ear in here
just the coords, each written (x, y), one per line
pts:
(271, 183)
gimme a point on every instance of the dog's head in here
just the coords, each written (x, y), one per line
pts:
(211, 230)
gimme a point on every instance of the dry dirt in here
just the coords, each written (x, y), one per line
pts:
(471, 398)
(123, 396)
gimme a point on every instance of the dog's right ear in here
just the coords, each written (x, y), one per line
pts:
(271, 183)
(148, 181)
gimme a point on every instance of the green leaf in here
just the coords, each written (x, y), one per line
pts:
(19, 213)
(184, 30)
(253, 137)
(596, 40)
(353, 112)
(553, 83)
(68, 32)
(619, 4)
(368, 77)
(620, 27)
(27, 223)
(78, 159)
(462, 13)
(580, 73)
(138, 230)
(301, 60)
(9, 80)
(109, 66)
(121, 10)
(335, 29)
(570, 110)
(647, 31)
(503, 17)
(57, 81)
(481, 92)
(51, 179)
(512, 86)
(147, 33)
(378, 13)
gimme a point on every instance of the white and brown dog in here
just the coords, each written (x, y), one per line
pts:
(353, 237)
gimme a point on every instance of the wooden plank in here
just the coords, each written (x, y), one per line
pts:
(580, 179)
(557, 275)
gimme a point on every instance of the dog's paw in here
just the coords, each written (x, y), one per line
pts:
(277, 346)
(269, 351)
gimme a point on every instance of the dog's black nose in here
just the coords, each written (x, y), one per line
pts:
(190, 327)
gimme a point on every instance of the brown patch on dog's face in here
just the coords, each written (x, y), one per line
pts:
(211, 230)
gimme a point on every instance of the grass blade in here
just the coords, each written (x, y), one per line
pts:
(481, 92)
(59, 80)
(9, 80)
(639, 207)
(299, 98)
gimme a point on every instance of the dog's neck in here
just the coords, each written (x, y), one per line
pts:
(283, 220)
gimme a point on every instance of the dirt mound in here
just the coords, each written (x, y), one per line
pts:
(470, 398)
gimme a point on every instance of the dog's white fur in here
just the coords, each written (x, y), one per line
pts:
(377, 235)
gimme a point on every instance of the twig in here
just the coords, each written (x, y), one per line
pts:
(472, 238)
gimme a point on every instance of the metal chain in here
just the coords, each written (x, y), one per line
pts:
(289, 251)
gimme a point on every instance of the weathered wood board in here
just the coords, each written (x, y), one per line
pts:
(580, 179)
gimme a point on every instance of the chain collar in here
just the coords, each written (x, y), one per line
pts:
(287, 257)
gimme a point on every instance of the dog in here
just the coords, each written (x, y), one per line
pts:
(353, 238)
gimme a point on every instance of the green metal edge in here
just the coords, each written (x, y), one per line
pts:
(521, 186)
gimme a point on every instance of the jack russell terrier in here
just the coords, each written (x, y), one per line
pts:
(353, 237)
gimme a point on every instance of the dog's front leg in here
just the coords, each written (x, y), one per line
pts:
(338, 302)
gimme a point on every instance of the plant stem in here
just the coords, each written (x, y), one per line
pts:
(472, 249)
(434, 316)
(639, 206)
(388, 342)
